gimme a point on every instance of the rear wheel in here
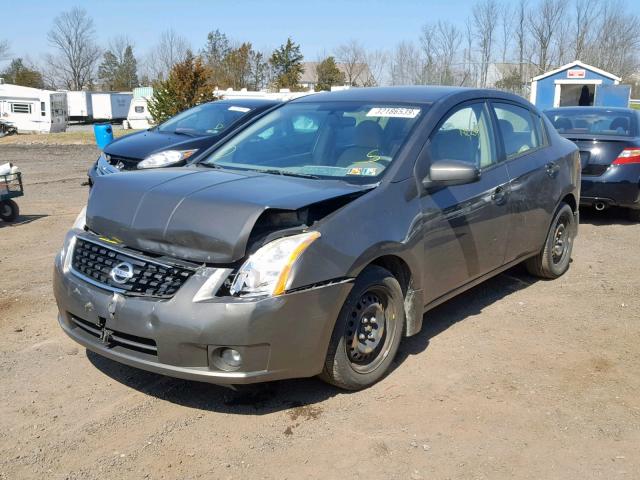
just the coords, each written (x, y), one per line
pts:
(554, 259)
(9, 210)
(367, 333)
(634, 215)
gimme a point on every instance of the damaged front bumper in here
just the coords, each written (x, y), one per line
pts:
(277, 337)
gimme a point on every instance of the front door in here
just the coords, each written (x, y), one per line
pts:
(465, 226)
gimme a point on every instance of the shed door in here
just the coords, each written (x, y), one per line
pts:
(612, 96)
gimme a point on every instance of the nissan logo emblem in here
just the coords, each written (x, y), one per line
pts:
(122, 272)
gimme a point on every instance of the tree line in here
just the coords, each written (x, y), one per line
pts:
(498, 44)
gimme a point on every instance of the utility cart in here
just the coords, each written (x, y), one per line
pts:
(10, 188)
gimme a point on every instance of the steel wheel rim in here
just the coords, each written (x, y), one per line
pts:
(370, 330)
(561, 240)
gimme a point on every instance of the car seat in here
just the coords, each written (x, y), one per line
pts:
(367, 138)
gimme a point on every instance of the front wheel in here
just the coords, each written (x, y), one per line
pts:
(368, 331)
(554, 258)
(9, 210)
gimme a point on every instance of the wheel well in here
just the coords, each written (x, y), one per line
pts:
(398, 268)
(412, 299)
(571, 201)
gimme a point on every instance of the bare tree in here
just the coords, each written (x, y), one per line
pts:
(72, 36)
(376, 61)
(615, 47)
(586, 13)
(544, 22)
(485, 19)
(506, 30)
(448, 43)
(4, 49)
(353, 57)
(406, 65)
(521, 37)
(172, 48)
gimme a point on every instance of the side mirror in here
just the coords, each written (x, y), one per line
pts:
(451, 172)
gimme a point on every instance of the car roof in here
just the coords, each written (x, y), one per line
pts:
(249, 102)
(408, 94)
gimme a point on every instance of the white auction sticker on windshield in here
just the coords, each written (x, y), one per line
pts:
(239, 109)
(395, 112)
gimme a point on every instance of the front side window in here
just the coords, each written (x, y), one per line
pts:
(519, 132)
(350, 140)
(465, 135)
(207, 119)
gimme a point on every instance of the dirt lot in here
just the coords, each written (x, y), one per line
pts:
(516, 379)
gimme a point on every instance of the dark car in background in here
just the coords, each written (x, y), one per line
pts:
(314, 239)
(609, 143)
(180, 139)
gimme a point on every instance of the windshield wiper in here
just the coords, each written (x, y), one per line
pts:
(287, 173)
(189, 132)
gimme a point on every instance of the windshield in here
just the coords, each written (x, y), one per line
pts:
(322, 139)
(206, 119)
(588, 121)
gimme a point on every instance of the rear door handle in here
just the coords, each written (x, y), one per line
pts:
(552, 169)
(499, 195)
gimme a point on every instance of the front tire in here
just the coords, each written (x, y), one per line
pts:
(9, 210)
(555, 257)
(367, 333)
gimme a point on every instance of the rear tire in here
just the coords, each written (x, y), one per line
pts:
(9, 210)
(555, 257)
(634, 215)
(367, 333)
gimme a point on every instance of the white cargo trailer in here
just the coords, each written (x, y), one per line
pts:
(32, 109)
(79, 106)
(110, 106)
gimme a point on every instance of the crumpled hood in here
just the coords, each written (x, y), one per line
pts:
(196, 214)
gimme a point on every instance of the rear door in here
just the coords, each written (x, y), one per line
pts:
(465, 226)
(534, 190)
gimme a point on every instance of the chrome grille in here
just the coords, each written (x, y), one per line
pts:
(95, 263)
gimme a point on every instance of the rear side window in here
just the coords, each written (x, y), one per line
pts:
(465, 135)
(519, 131)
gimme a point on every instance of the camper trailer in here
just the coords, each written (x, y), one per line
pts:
(110, 106)
(139, 117)
(79, 106)
(32, 109)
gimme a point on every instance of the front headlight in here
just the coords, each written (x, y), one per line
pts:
(166, 158)
(266, 272)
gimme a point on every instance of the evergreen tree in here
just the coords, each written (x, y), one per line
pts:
(128, 71)
(187, 85)
(119, 73)
(214, 53)
(287, 65)
(18, 73)
(108, 70)
(259, 71)
(328, 74)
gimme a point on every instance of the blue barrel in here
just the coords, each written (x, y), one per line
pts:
(103, 133)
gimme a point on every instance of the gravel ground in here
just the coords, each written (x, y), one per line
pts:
(516, 378)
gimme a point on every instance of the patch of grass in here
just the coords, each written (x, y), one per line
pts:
(635, 106)
(62, 138)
